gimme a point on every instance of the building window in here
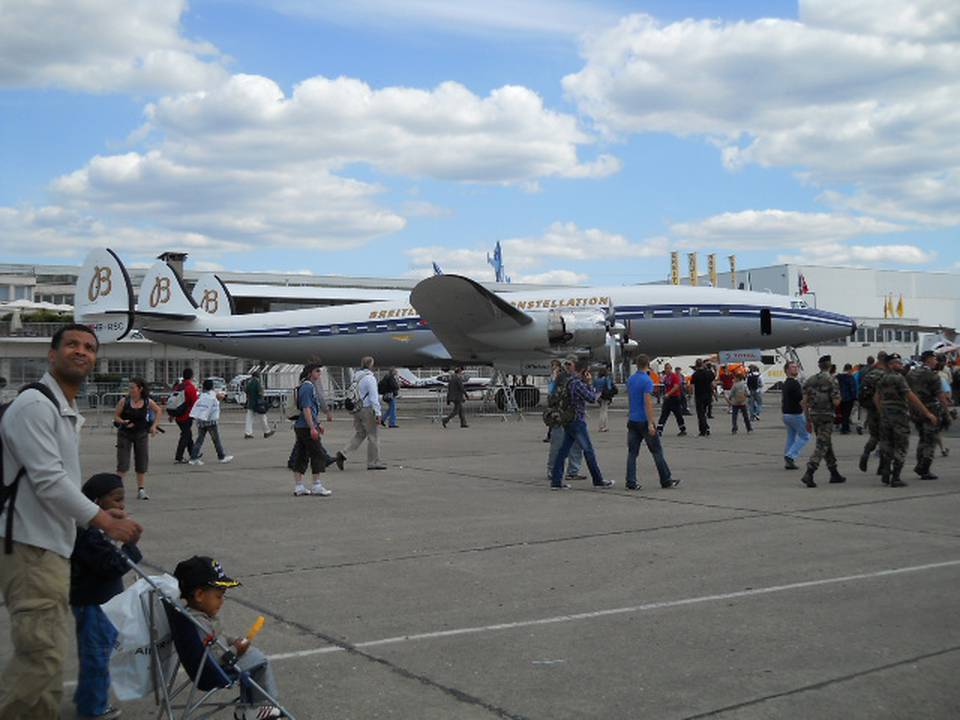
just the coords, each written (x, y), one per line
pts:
(168, 372)
(23, 292)
(225, 369)
(127, 368)
(4, 292)
(871, 335)
(26, 370)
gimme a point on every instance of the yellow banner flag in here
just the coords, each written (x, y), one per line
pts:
(674, 268)
(900, 306)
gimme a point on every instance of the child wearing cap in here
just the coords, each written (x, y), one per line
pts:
(203, 585)
(96, 575)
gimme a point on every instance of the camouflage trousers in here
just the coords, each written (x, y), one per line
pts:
(823, 450)
(894, 435)
(929, 436)
(872, 424)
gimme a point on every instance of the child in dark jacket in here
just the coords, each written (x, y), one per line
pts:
(96, 575)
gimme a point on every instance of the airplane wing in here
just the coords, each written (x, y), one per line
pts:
(459, 309)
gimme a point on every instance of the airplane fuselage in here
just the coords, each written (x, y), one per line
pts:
(663, 320)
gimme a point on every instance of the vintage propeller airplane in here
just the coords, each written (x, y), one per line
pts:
(450, 319)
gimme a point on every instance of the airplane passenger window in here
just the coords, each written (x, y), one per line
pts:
(334, 330)
(648, 313)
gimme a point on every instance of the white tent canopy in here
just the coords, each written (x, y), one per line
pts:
(31, 305)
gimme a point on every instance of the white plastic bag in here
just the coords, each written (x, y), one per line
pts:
(131, 674)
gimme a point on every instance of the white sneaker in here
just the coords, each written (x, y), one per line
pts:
(265, 712)
(198, 461)
(226, 458)
(142, 494)
(300, 490)
(319, 489)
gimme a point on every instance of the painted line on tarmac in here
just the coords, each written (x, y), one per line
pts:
(825, 683)
(664, 604)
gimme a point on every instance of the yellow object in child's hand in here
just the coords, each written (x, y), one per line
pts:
(255, 628)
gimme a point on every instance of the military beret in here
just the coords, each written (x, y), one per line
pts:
(926, 354)
(894, 357)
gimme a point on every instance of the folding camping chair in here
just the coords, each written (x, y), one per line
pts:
(195, 654)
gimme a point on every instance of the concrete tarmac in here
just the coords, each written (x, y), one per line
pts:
(454, 584)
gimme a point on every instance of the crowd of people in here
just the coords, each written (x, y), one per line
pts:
(68, 543)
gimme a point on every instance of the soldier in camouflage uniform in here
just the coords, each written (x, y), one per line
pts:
(891, 399)
(821, 397)
(868, 385)
(925, 383)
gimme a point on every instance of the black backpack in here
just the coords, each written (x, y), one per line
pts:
(8, 492)
(753, 381)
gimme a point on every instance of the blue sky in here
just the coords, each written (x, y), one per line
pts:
(589, 138)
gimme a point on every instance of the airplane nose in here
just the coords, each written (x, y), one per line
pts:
(853, 327)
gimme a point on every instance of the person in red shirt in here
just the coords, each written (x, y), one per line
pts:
(184, 421)
(672, 401)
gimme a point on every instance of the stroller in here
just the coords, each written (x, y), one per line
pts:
(193, 698)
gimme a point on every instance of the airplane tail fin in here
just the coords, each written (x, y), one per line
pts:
(104, 296)
(163, 295)
(210, 294)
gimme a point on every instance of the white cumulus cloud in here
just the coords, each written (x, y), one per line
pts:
(821, 238)
(525, 257)
(103, 46)
(60, 232)
(250, 166)
(447, 132)
(762, 229)
(856, 93)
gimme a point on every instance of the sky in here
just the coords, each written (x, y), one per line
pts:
(374, 138)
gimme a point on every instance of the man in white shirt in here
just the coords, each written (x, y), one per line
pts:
(366, 420)
(42, 438)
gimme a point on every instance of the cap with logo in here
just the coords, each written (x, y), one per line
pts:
(200, 571)
(894, 357)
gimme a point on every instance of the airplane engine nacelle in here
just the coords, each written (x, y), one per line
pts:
(577, 328)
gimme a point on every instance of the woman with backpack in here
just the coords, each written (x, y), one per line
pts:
(604, 386)
(256, 407)
(389, 389)
(135, 417)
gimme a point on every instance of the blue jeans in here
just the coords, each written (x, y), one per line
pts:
(575, 432)
(797, 435)
(391, 416)
(95, 639)
(637, 433)
(256, 664)
(214, 431)
(755, 403)
(574, 460)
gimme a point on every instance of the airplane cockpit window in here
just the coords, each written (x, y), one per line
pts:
(799, 304)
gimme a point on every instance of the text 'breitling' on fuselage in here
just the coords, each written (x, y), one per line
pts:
(394, 313)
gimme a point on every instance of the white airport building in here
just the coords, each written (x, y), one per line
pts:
(898, 310)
